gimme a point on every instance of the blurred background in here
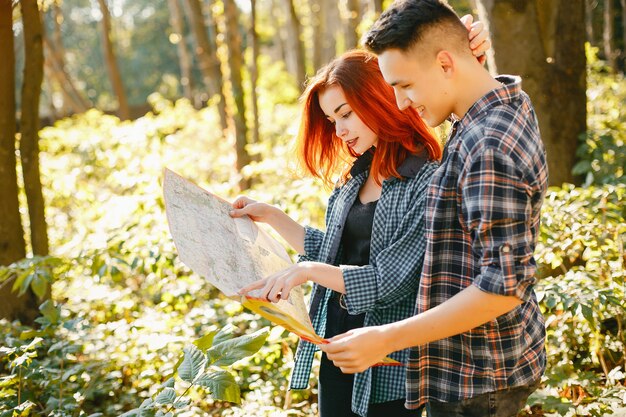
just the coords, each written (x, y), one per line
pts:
(97, 97)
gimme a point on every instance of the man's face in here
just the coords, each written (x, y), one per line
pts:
(418, 83)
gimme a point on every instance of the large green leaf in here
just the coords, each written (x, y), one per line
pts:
(230, 351)
(193, 364)
(166, 396)
(205, 342)
(222, 386)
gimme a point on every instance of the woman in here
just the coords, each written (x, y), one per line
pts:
(366, 266)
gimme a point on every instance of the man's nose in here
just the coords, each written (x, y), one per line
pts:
(402, 101)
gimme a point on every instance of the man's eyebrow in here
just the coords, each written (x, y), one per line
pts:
(339, 107)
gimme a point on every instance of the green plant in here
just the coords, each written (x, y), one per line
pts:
(201, 366)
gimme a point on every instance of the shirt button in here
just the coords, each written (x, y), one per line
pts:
(506, 249)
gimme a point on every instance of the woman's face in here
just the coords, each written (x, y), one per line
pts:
(348, 127)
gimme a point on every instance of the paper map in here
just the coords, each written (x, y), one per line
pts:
(232, 253)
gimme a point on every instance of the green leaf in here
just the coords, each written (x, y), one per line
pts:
(224, 334)
(22, 283)
(588, 314)
(193, 364)
(166, 396)
(50, 312)
(205, 341)
(39, 286)
(169, 383)
(222, 386)
(182, 403)
(230, 351)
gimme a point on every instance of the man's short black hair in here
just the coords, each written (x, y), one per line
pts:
(405, 23)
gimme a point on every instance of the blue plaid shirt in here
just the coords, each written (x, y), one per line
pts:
(482, 222)
(386, 289)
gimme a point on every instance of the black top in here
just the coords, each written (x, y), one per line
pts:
(355, 242)
(357, 234)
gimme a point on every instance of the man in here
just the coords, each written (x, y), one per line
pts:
(478, 335)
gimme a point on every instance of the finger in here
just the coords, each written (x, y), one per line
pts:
(350, 369)
(476, 29)
(467, 20)
(275, 294)
(238, 212)
(254, 286)
(240, 201)
(482, 48)
(478, 38)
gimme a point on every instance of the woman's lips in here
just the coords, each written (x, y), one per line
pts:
(351, 142)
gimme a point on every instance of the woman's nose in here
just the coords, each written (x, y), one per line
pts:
(340, 130)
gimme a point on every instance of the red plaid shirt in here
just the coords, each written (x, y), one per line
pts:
(482, 220)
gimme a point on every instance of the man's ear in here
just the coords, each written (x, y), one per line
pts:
(445, 60)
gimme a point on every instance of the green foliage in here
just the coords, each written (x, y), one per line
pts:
(581, 255)
(602, 159)
(35, 273)
(200, 369)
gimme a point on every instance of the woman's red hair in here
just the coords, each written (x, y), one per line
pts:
(400, 133)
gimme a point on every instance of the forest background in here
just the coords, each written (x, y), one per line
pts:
(100, 318)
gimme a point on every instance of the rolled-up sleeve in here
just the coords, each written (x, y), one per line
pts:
(313, 239)
(496, 210)
(395, 271)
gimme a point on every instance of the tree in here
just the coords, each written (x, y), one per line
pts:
(254, 73)
(29, 124)
(206, 51)
(233, 39)
(12, 244)
(111, 62)
(608, 42)
(351, 9)
(553, 68)
(184, 58)
(295, 29)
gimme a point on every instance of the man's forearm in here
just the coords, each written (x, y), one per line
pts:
(463, 312)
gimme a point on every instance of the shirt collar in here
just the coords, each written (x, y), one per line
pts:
(509, 91)
(409, 168)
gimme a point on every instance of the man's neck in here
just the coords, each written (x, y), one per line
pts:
(473, 84)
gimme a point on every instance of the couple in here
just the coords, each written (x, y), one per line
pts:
(426, 258)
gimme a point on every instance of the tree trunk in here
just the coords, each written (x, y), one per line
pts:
(589, 21)
(623, 3)
(71, 96)
(55, 63)
(607, 35)
(233, 41)
(29, 125)
(254, 73)
(184, 58)
(553, 68)
(281, 35)
(351, 9)
(206, 51)
(333, 31)
(378, 7)
(297, 45)
(111, 63)
(12, 245)
(317, 15)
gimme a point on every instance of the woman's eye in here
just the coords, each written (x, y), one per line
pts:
(346, 115)
(404, 87)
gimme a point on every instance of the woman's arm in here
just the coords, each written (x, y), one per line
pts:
(288, 228)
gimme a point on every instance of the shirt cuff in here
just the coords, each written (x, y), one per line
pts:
(505, 277)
